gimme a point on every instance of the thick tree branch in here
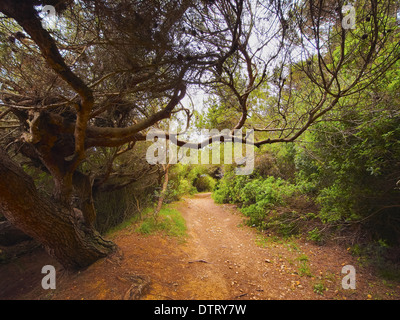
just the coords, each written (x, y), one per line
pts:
(24, 13)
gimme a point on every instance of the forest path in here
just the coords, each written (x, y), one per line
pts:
(226, 262)
(221, 258)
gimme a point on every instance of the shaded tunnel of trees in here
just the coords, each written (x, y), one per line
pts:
(77, 100)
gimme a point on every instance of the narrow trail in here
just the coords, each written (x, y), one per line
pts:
(226, 263)
(234, 267)
(222, 258)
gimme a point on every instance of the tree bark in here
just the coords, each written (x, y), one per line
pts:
(61, 229)
(163, 191)
(82, 186)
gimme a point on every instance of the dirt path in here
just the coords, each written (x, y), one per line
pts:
(221, 259)
(235, 266)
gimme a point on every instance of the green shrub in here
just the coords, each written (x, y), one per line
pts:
(204, 183)
(228, 189)
(352, 169)
(177, 189)
(315, 235)
(185, 187)
(258, 197)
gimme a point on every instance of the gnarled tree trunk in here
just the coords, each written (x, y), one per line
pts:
(61, 229)
(82, 186)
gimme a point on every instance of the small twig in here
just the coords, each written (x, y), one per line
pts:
(240, 295)
(200, 260)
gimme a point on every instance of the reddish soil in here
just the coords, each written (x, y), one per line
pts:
(221, 258)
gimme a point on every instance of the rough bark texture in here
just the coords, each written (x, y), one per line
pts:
(82, 186)
(61, 230)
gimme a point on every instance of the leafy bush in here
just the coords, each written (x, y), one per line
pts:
(204, 183)
(185, 187)
(276, 160)
(353, 170)
(315, 235)
(258, 198)
(177, 189)
(227, 190)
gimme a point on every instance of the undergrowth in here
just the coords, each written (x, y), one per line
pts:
(271, 204)
(169, 222)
